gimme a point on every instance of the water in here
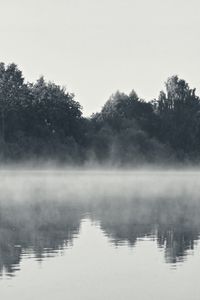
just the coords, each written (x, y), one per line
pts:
(99, 235)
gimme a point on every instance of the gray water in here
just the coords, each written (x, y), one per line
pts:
(99, 235)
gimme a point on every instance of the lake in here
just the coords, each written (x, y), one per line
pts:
(96, 235)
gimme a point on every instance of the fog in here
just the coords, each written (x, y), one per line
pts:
(81, 185)
(42, 210)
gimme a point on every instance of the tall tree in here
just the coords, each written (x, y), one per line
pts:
(55, 111)
(11, 93)
(178, 108)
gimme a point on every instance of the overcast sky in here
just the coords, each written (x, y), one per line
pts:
(95, 47)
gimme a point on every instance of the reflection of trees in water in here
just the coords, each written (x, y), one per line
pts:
(174, 223)
(178, 226)
(42, 228)
(176, 242)
(10, 255)
(120, 233)
(124, 220)
(37, 228)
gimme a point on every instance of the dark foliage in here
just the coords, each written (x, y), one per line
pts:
(43, 121)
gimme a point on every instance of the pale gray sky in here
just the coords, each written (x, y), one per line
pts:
(95, 47)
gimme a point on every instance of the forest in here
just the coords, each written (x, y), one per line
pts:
(41, 121)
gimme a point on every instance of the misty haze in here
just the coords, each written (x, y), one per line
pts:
(99, 233)
(99, 150)
(99, 207)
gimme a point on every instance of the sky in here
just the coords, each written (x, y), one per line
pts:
(96, 47)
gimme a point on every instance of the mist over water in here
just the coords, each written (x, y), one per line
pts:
(72, 224)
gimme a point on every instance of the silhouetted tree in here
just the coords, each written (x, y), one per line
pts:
(179, 109)
(43, 120)
(12, 90)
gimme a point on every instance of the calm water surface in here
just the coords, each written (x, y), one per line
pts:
(99, 235)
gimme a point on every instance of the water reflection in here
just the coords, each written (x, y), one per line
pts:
(36, 229)
(43, 226)
(177, 242)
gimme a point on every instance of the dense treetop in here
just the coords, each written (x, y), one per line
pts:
(43, 121)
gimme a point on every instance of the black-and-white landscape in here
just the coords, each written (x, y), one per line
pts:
(99, 150)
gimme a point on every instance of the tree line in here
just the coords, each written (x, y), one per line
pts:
(43, 121)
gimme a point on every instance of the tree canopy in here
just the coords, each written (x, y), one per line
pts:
(42, 120)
